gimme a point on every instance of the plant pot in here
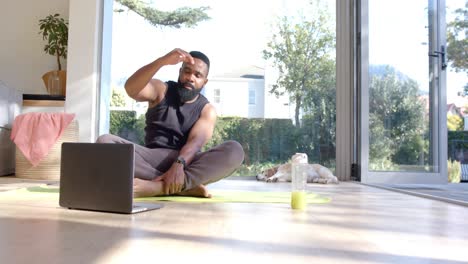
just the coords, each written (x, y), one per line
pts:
(62, 75)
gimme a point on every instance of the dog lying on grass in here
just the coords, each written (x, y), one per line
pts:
(316, 173)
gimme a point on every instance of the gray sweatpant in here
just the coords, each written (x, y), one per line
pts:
(206, 167)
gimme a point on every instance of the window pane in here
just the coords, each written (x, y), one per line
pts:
(217, 96)
(400, 80)
(251, 97)
(278, 99)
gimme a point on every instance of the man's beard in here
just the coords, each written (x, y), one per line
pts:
(186, 94)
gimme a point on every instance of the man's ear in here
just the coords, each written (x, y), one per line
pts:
(206, 81)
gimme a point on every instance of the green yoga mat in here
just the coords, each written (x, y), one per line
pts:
(218, 196)
(229, 196)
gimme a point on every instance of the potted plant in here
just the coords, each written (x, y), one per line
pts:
(54, 30)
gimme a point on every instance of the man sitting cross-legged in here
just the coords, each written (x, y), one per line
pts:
(179, 122)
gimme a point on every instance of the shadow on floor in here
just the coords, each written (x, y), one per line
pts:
(456, 193)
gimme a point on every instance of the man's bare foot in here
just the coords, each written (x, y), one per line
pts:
(144, 188)
(199, 191)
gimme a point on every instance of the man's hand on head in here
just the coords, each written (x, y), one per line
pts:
(177, 56)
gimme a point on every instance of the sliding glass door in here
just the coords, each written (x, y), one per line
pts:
(402, 91)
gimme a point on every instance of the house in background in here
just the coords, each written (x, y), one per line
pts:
(244, 92)
(458, 106)
(241, 92)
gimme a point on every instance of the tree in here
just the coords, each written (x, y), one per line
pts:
(302, 51)
(398, 134)
(457, 42)
(125, 124)
(183, 16)
(118, 98)
(454, 123)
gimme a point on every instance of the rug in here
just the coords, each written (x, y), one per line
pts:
(218, 196)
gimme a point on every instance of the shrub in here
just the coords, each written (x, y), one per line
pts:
(453, 168)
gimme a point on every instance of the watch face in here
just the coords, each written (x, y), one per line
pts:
(181, 160)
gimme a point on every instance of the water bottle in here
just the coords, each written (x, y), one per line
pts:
(299, 181)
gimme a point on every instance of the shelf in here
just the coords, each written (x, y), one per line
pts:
(43, 100)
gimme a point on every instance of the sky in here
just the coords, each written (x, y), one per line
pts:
(238, 31)
(234, 37)
(402, 43)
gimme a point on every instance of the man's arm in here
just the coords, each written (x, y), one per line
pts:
(141, 87)
(201, 132)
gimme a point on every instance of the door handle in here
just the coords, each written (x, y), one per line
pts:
(440, 53)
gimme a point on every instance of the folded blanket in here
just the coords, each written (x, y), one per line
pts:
(35, 133)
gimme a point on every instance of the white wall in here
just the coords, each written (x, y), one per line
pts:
(257, 110)
(22, 59)
(275, 107)
(235, 99)
(278, 107)
(84, 65)
(234, 96)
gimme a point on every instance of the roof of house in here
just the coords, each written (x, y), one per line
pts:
(459, 101)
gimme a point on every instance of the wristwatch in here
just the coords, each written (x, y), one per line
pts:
(180, 160)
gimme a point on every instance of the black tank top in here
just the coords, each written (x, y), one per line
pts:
(168, 124)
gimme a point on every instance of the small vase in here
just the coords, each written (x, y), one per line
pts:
(54, 85)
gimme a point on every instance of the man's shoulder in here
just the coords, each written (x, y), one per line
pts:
(209, 110)
(171, 83)
(171, 88)
(204, 99)
(161, 88)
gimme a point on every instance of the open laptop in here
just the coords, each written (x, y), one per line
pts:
(99, 177)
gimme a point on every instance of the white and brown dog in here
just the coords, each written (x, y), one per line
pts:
(316, 173)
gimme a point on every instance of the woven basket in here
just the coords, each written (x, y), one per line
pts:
(49, 167)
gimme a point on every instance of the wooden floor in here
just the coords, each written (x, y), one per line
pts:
(362, 224)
